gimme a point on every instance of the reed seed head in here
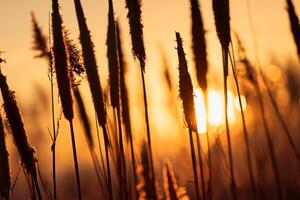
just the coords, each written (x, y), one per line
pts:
(40, 41)
(136, 30)
(222, 21)
(61, 63)
(199, 44)
(90, 64)
(17, 127)
(185, 87)
(123, 89)
(112, 55)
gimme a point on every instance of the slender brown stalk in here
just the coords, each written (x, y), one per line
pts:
(138, 50)
(201, 63)
(186, 95)
(222, 22)
(245, 131)
(18, 131)
(63, 81)
(294, 23)
(5, 183)
(90, 64)
(112, 55)
(125, 105)
(200, 159)
(40, 45)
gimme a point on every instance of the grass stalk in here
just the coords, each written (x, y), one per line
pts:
(210, 175)
(245, 131)
(231, 167)
(148, 127)
(75, 159)
(199, 149)
(194, 164)
(108, 165)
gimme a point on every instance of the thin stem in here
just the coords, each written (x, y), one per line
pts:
(107, 165)
(133, 165)
(210, 189)
(233, 184)
(245, 131)
(100, 148)
(54, 134)
(148, 130)
(201, 167)
(124, 174)
(270, 144)
(75, 160)
(194, 164)
(37, 187)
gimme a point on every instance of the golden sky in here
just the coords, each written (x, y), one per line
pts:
(161, 18)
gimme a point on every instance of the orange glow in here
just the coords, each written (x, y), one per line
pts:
(215, 109)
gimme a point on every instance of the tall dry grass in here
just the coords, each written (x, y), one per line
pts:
(63, 81)
(91, 68)
(222, 22)
(125, 105)
(186, 95)
(13, 115)
(138, 50)
(201, 64)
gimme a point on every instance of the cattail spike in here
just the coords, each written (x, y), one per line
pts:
(61, 66)
(112, 56)
(294, 22)
(17, 127)
(136, 30)
(199, 44)
(222, 22)
(90, 64)
(40, 41)
(186, 87)
(5, 184)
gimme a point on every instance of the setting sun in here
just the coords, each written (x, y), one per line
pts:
(215, 108)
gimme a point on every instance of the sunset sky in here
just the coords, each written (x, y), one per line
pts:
(161, 19)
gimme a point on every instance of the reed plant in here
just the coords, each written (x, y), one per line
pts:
(138, 50)
(91, 68)
(186, 95)
(113, 65)
(14, 118)
(125, 105)
(201, 65)
(63, 81)
(222, 23)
